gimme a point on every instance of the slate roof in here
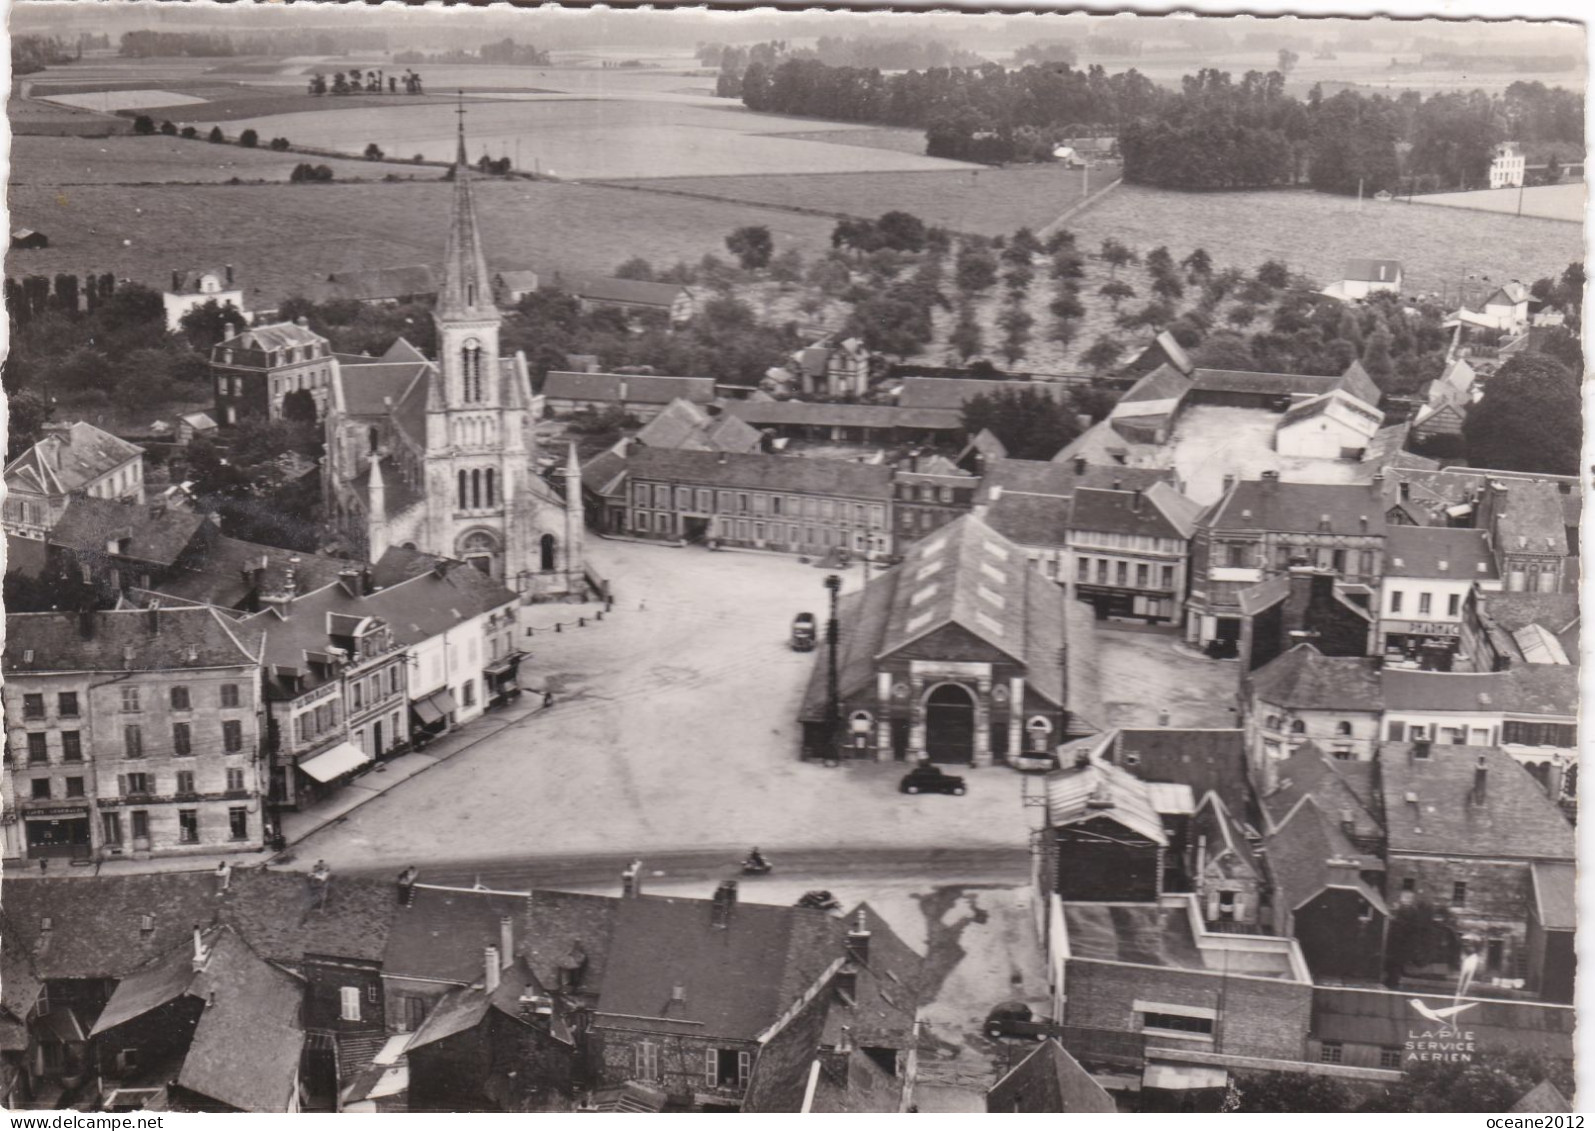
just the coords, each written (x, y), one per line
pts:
(787, 1061)
(428, 605)
(1227, 847)
(678, 426)
(1061, 478)
(217, 576)
(1048, 1080)
(122, 640)
(441, 934)
(464, 1008)
(1317, 406)
(1337, 787)
(606, 473)
(383, 283)
(1266, 384)
(1165, 383)
(954, 392)
(887, 987)
(640, 388)
(629, 292)
(1309, 853)
(1439, 552)
(367, 386)
(275, 913)
(814, 414)
(1030, 520)
(1512, 611)
(158, 534)
(1160, 512)
(861, 617)
(1209, 761)
(1359, 383)
(1555, 895)
(1298, 508)
(865, 1088)
(737, 980)
(560, 930)
(1304, 678)
(1537, 689)
(1071, 790)
(1516, 820)
(20, 988)
(68, 459)
(795, 475)
(1533, 519)
(267, 339)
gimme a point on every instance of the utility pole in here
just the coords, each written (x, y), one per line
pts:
(833, 583)
(1520, 186)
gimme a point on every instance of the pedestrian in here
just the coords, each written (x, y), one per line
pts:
(44, 865)
(548, 700)
(642, 604)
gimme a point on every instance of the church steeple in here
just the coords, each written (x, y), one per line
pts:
(467, 290)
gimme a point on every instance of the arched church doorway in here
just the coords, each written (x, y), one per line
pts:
(481, 549)
(950, 723)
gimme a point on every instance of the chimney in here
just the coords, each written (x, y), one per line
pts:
(153, 615)
(201, 954)
(1201, 854)
(366, 586)
(177, 282)
(490, 968)
(725, 901)
(1481, 773)
(1405, 489)
(349, 581)
(624, 388)
(86, 622)
(631, 880)
(1118, 484)
(858, 940)
(1135, 500)
(229, 270)
(506, 941)
(834, 1062)
(1082, 758)
(1362, 521)
(1324, 523)
(1099, 797)
(1079, 465)
(1229, 482)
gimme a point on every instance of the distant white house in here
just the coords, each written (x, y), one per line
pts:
(191, 289)
(1506, 308)
(1507, 166)
(1068, 156)
(1362, 277)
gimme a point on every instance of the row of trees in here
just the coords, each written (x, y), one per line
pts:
(284, 41)
(32, 53)
(365, 82)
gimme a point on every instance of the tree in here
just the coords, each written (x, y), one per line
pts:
(1241, 316)
(1116, 255)
(1159, 261)
(144, 125)
(636, 268)
(1224, 351)
(1528, 419)
(1018, 278)
(1376, 355)
(215, 137)
(1066, 304)
(1289, 1092)
(975, 269)
(787, 267)
(1102, 353)
(752, 246)
(1169, 287)
(1495, 1080)
(279, 143)
(1030, 423)
(1016, 323)
(168, 129)
(1116, 291)
(1287, 63)
(901, 231)
(29, 411)
(208, 323)
(299, 405)
(1274, 274)
(1198, 265)
(188, 132)
(249, 139)
(373, 152)
(966, 338)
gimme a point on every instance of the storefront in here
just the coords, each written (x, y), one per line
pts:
(57, 831)
(501, 679)
(432, 716)
(324, 772)
(1431, 644)
(1148, 605)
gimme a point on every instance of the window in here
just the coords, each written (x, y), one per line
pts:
(1297, 726)
(468, 693)
(1395, 600)
(182, 740)
(129, 698)
(188, 826)
(185, 781)
(133, 784)
(1343, 729)
(1459, 894)
(1331, 1052)
(393, 679)
(1168, 578)
(1366, 568)
(1102, 571)
(1121, 573)
(133, 741)
(33, 706)
(358, 691)
(229, 695)
(238, 824)
(1389, 1057)
(38, 752)
(1409, 884)
(1235, 554)
(111, 827)
(235, 780)
(1424, 600)
(141, 824)
(41, 789)
(1337, 561)
(372, 993)
(71, 746)
(647, 1065)
(349, 1003)
(1142, 575)
(1082, 571)
(1176, 1023)
(1453, 604)
(180, 699)
(1396, 731)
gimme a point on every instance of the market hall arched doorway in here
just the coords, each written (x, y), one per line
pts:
(950, 723)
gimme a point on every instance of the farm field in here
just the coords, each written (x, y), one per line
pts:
(110, 101)
(984, 201)
(285, 238)
(63, 161)
(1315, 234)
(601, 139)
(1549, 202)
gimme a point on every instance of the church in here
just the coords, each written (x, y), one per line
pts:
(441, 455)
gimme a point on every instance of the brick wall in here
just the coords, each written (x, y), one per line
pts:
(1496, 903)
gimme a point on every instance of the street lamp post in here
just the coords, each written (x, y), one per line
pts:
(833, 583)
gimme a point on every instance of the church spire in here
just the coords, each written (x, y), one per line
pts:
(467, 290)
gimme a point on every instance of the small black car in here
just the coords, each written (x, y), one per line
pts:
(1014, 1019)
(930, 779)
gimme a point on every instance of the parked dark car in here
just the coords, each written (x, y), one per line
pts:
(1015, 1019)
(930, 779)
(803, 632)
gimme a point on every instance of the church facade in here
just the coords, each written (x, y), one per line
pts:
(441, 455)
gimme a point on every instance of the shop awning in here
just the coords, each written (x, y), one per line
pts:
(1180, 1077)
(336, 762)
(435, 706)
(503, 666)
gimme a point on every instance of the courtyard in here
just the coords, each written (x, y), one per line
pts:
(1212, 441)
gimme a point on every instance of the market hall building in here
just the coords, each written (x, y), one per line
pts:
(957, 654)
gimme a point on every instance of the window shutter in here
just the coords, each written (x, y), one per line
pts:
(711, 1067)
(641, 1065)
(1240, 907)
(121, 784)
(744, 1066)
(1212, 905)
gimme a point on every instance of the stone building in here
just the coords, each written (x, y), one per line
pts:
(1305, 696)
(134, 732)
(956, 655)
(255, 370)
(71, 461)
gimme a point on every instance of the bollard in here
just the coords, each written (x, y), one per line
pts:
(559, 627)
(581, 622)
(599, 615)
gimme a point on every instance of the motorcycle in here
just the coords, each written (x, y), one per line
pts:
(819, 901)
(756, 866)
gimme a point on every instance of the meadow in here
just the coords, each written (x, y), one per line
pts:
(1549, 202)
(285, 239)
(1314, 234)
(63, 161)
(988, 202)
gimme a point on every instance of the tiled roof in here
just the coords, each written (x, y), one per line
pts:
(954, 392)
(631, 292)
(372, 387)
(1261, 504)
(1337, 787)
(1267, 384)
(124, 640)
(1533, 519)
(865, 1088)
(1206, 760)
(1439, 552)
(887, 987)
(1536, 689)
(217, 577)
(1357, 381)
(1305, 678)
(605, 474)
(68, 459)
(1048, 1080)
(1159, 513)
(1540, 689)
(563, 931)
(640, 388)
(1074, 791)
(149, 533)
(277, 914)
(809, 413)
(1030, 520)
(1227, 846)
(677, 426)
(1309, 853)
(1165, 383)
(1063, 477)
(1512, 611)
(758, 472)
(277, 336)
(1514, 821)
(779, 1082)
(1555, 895)
(440, 935)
